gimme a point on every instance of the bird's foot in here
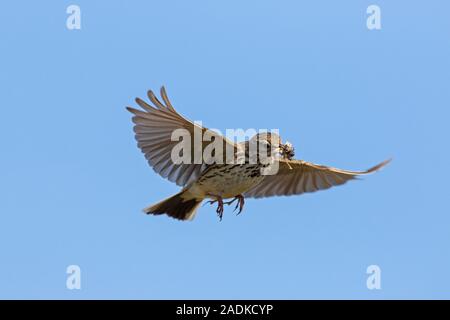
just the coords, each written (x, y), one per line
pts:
(219, 209)
(220, 204)
(240, 203)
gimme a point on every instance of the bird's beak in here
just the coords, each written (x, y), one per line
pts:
(279, 150)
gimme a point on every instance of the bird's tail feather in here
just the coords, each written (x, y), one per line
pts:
(177, 206)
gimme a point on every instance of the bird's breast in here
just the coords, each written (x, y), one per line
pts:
(228, 181)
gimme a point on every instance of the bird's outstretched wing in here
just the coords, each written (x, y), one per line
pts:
(154, 127)
(297, 177)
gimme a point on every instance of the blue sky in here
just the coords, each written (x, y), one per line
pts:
(73, 182)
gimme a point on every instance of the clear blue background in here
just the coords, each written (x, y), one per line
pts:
(73, 182)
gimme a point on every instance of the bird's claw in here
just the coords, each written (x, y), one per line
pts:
(219, 211)
(230, 202)
(210, 202)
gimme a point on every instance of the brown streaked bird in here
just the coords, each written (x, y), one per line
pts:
(219, 180)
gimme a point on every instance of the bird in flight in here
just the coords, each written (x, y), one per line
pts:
(225, 177)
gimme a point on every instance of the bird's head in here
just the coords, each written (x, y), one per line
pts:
(287, 150)
(271, 142)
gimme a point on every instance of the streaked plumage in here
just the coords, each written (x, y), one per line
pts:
(154, 126)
